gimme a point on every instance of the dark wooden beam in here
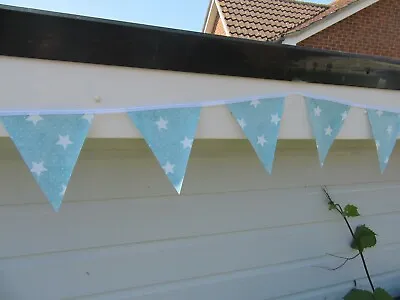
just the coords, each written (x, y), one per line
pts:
(44, 35)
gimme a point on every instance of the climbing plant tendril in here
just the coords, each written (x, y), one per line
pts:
(363, 238)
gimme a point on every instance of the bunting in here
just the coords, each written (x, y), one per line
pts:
(326, 119)
(384, 126)
(260, 121)
(170, 134)
(50, 146)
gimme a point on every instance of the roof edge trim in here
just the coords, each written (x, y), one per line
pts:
(42, 35)
(208, 16)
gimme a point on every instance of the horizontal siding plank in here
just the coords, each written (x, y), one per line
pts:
(105, 223)
(388, 281)
(241, 289)
(282, 249)
(115, 279)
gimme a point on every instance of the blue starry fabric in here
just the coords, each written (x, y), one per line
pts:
(260, 122)
(398, 127)
(384, 126)
(169, 133)
(50, 146)
(326, 119)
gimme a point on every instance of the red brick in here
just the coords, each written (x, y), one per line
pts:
(219, 27)
(373, 30)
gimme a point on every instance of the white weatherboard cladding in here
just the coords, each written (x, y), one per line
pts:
(234, 233)
(63, 85)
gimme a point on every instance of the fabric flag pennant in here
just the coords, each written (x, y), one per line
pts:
(384, 126)
(169, 133)
(398, 126)
(50, 146)
(326, 119)
(260, 122)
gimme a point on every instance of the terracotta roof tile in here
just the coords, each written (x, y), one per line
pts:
(267, 20)
(334, 7)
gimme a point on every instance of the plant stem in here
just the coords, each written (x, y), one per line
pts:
(341, 212)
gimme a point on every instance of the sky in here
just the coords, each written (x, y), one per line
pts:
(180, 14)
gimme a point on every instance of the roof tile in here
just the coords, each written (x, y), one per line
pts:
(335, 6)
(267, 20)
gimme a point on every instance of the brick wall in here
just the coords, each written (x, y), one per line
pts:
(219, 28)
(374, 30)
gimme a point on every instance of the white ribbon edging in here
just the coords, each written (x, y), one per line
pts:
(210, 103)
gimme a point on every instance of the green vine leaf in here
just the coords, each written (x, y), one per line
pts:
(363, 238)
(381, 294)
(331, 205)
(356, 294)
(351, 211)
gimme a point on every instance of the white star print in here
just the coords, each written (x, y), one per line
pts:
(63, 190)
(38, 168)
(275, 119)
(389, 129)
(317, 111)
(64, 141)
(328, 130)
(386, 160)
(379, 113)
(168, 168)
(162, 124)
(261, 140)
(255, 103)
(378, 144)
(242, 123)
(88, 117)
(34, 119)
(187, 143)
(344, 115)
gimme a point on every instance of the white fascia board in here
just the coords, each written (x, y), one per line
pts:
(31, 84)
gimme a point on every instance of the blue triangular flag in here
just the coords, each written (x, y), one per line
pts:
(398, 127)
(384, 127)
(326, 119)
(260, 122)
(50, 146)
(169, 133)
